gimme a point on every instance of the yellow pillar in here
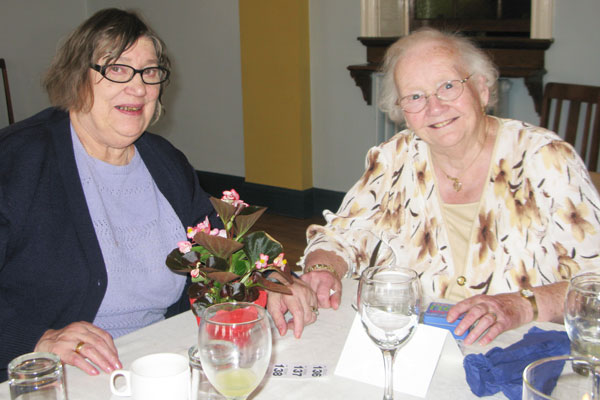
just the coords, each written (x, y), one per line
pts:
(275, 54)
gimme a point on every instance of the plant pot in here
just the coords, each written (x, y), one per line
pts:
(261, 301)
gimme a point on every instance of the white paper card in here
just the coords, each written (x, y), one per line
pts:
(415, 363)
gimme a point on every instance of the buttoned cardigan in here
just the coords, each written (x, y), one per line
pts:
(538, 219)
(51, 268)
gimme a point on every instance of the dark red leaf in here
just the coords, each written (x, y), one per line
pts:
(225, 210)
(247, 217)
(217, 246)
(274, 286)
(222, 276)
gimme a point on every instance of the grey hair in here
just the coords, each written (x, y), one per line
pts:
(472, 57)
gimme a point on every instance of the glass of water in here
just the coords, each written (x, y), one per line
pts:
(36, 376)
(582, 315)
(389, 302)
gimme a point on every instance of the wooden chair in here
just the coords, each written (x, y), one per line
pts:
(11, 118)
(575, 96)
(595, 176)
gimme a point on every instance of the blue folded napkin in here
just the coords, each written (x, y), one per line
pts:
(502, 369)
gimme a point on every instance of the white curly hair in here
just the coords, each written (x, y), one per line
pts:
(472, 57)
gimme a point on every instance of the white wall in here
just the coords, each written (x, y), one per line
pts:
(29, 32)
(342, 123)
(574, 57)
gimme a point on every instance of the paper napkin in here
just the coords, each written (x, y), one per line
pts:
(415, 363)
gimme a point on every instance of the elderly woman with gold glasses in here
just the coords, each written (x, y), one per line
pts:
(494, 213)
(91, 203)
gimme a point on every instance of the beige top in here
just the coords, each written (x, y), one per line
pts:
(459, 219)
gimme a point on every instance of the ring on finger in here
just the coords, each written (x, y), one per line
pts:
(315, 310)
(494, 317)
(78, 347)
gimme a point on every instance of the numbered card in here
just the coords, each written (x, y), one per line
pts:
(298, 370)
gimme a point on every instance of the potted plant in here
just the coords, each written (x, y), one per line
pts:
(231, 264)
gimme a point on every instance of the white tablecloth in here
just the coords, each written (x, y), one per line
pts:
(321, 342)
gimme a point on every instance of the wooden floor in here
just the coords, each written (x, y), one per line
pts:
(290, 232)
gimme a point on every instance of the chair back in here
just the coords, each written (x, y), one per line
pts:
(595, 176)
(11, 118)
(574, 96)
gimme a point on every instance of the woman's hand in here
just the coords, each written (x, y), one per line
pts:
(81, 344)
(494, 314)
(302, 304)
(327, 286)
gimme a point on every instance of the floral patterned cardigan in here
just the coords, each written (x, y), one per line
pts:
(538, 217)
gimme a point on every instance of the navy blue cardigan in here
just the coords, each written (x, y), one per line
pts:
(51, 268)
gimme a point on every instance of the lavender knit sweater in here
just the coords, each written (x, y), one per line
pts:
(136, 228)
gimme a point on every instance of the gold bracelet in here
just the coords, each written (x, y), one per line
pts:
(528, 294)
(322, 267)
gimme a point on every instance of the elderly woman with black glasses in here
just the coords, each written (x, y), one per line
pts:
(494, 213)
(91, 203)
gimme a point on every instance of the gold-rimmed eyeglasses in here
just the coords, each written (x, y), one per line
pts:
(121, 73)
(446, 91)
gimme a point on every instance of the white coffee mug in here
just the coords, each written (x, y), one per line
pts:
(155, 377)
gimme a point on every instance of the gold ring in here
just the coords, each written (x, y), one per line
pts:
(78, 347)
(315, 310)
(494, 316)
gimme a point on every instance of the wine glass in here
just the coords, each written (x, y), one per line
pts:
(389, 302)
(234, 343)
(582, 315)
(561, 378)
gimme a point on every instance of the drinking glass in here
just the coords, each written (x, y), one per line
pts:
(389, 302)
(234, 343)
(561, 378)
(582, 315)
(36, 376)
(201, 387)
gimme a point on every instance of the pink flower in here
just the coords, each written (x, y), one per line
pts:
(229, 196)
(218, 232)
(240, 203)
(191, 232)
(195, 273)
(262, 262)
(184, 246)
(279, 261)
(203, 226)
(232, 197)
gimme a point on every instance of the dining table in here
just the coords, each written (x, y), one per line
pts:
(320, 344)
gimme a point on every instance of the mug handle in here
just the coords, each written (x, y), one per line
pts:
(125, 374)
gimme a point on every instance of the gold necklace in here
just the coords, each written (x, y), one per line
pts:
(456, 183)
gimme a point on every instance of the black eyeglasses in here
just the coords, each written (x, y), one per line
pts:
(121, 73)
(446, 91)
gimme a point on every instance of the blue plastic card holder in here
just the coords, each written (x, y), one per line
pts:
(435, 315)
